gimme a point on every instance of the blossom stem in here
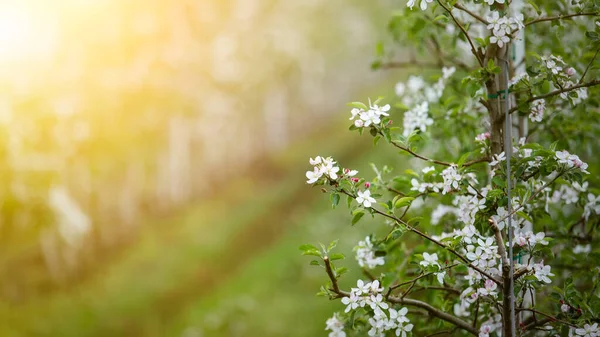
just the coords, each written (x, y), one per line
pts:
(552, 318)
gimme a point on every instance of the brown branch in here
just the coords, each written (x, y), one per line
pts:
(334, 282)
(409, 64)
(436, 313)
(418, 278)
(473, 49)
(559, 91)
(475, 16)
(552, 318)
(439, 162)
(560, 17)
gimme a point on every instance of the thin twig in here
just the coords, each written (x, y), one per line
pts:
(559, 91)
(588, 66)
(334, 282)
(473, 50)
(475, 16)
(439, 162)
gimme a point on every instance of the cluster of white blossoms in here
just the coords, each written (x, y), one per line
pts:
(370, 295)
(451, 179)
(503, 27)
(417, 95)
(592, 206)
(417, 119)
(571, 160)
(563, 74)
(372, 116)
(493, 324)
(365, 255)
(336, 326)
(536, 114)
(323, 167)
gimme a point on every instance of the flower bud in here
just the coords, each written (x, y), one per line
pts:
(367, 184)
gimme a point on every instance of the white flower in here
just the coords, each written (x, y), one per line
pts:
(370, 117)
(537, 110)
(336, 326)
(365, 255)
(361, 287)
(428, 169)
(429, 260)
(489, 289)
(447, 72)
(542, 272)
(485, 329)
(355, 112)
(498, 158)
(313, 175)
(592, 206)
(565, 308)
(417, 118)
(588, 330)
(479, 257)
(403, 329)
(410, 4)
(499, 38)
(440, 277)
(424, 4)
(451, 179)
(582, 249)
(352, 302)
(365, 198)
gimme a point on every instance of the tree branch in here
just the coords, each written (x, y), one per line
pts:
(439, 162)
(436, 313)
(473, 49)
(475, 16)
(334, 282)
(409, 64)
(559, 91)
(561, 17)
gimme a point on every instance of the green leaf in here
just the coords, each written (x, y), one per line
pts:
(332, 245)
(314, 263)
(376, 140)
(337, 256)
(357, 217)
(402, 202)
(499, 181)
(373, 132)
(592, 36)
(306, 247)
(313, 252)
(335, 200)
(545, 87)
(359, 105)
(341, 271)
(463, 158)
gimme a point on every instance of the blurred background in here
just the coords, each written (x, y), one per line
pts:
(152, 158)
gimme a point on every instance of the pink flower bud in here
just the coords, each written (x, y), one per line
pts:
(367, 184)
(570, 71)
(390, 122)
(354, 180)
